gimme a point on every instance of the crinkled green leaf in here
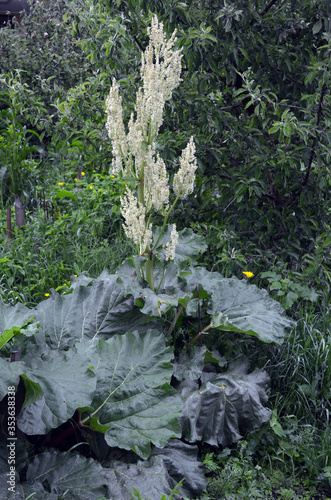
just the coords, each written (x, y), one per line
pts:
(66, 382)
(150, 478)
(137, 404)
(207, 279)
(188, 248)
(72, 475)
(129, 275)
(181, 462)
(64, 193)
(13, 315)
(89, 311)
(51, 475)
(9, 375)
(225, 406)
(168, 287)
(189, 366)
(240, 307)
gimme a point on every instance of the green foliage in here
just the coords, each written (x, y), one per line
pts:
(288, 291)
(17, 147)
(96, 355)
(68, 235)
(258, 106)
(301, 369)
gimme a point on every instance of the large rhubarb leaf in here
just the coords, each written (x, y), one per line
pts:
(188, 248)
(58, 383)
(88, 312)
(150, 478)
(189, 366)
(181, 462)
(52, 475)
(136, 405)
(13, 315)
(225, 406)
(238, 306)
(68, 475)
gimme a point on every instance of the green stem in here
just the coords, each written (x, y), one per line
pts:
(198, 336)
(158, 288)
(150, 271)
(141, 189)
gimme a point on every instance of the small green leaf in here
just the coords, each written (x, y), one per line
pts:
(317, 27)
(65, 194)
(9, 334)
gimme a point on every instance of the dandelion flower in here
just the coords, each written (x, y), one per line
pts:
(47, 294)
(60, 183)
(83, 173)
(248, 274)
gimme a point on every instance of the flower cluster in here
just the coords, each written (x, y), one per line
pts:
(171, 245)
(134, 214)
(184, 178)
(160, 71)
(115, 127)
(134, 151)
(156, 186)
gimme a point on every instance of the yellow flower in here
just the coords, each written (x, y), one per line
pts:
(83, 173)
(75, 275)
(248, 274)
(46, 294)
(69, 281)
(64, 284)
(113, 176)
(76, 180)
(91, 187)
(60, 183)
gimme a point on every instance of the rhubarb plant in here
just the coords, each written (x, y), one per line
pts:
(106, 403)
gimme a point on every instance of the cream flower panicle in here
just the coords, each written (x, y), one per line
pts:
(156, 184)
(134, 214)
(115, 127)
(171, 245)
(184, 179)
(160, 72)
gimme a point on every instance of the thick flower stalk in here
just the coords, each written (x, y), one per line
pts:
(134, 151)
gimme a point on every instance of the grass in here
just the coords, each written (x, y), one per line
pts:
(84, 235)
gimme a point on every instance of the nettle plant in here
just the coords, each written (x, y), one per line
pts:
(105, 405)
